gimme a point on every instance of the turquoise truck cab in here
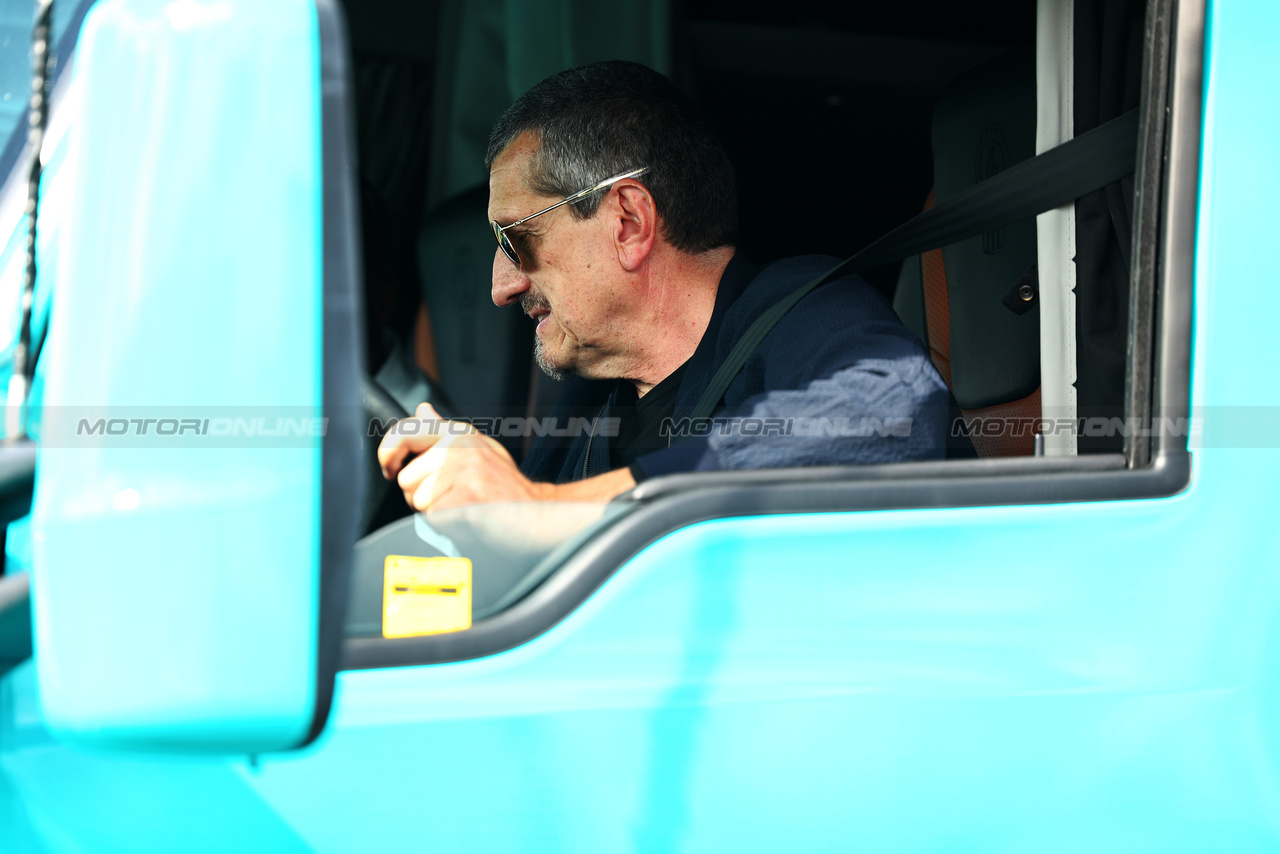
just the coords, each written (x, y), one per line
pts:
(260, 239)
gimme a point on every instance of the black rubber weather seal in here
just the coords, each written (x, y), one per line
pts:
(342, 476)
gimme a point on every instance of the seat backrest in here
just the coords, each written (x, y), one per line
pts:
(1068, 337)
(975, 303)
(484, 352)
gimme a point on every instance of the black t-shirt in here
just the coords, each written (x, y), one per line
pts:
(640, 419)
(840, 352)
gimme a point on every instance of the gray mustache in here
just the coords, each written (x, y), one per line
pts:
(530, 301)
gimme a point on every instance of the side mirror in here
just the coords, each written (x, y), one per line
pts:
(199, 476)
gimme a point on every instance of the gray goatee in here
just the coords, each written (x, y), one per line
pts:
(530, 302)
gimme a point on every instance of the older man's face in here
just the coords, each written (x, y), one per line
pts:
(568, 282)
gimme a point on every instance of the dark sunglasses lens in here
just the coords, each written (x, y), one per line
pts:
(509, 248)
(504, 243)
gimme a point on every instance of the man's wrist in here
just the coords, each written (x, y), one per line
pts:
(599, 488)
(545, 491)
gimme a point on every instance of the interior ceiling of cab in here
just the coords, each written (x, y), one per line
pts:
(904, 43)
(833, 98)
(393, 29)
(870, 59)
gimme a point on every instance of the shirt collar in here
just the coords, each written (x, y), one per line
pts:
(698, 370)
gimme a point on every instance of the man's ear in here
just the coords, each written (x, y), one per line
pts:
(635, 223)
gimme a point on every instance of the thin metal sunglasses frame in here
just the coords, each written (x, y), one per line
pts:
(504, 242)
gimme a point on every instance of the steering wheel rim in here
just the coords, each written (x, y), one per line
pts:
(380, 408)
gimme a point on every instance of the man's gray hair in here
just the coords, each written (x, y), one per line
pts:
(604, 119)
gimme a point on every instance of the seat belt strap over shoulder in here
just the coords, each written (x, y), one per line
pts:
(1049, 180)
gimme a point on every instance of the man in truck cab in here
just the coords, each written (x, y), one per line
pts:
(615, 214)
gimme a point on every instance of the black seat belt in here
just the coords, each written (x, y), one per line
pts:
(1049, 180)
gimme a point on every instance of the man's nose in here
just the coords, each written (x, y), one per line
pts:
(509, 281)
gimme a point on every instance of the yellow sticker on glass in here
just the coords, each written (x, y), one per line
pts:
(425, 595)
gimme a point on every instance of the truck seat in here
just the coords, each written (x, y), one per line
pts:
(975, 303)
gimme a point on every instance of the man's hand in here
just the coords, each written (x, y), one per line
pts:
(456, 465)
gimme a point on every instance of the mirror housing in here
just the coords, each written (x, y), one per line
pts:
(199, 475)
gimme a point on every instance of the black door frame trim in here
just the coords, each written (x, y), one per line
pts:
(341, 461)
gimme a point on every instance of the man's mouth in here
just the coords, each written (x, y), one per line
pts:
(539, 310)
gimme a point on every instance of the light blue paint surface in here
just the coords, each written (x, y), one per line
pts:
(1087, 677)
(187, 285)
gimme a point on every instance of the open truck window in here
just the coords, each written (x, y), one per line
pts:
(1063, 337)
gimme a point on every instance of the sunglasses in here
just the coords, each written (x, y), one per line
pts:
(499, 231)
